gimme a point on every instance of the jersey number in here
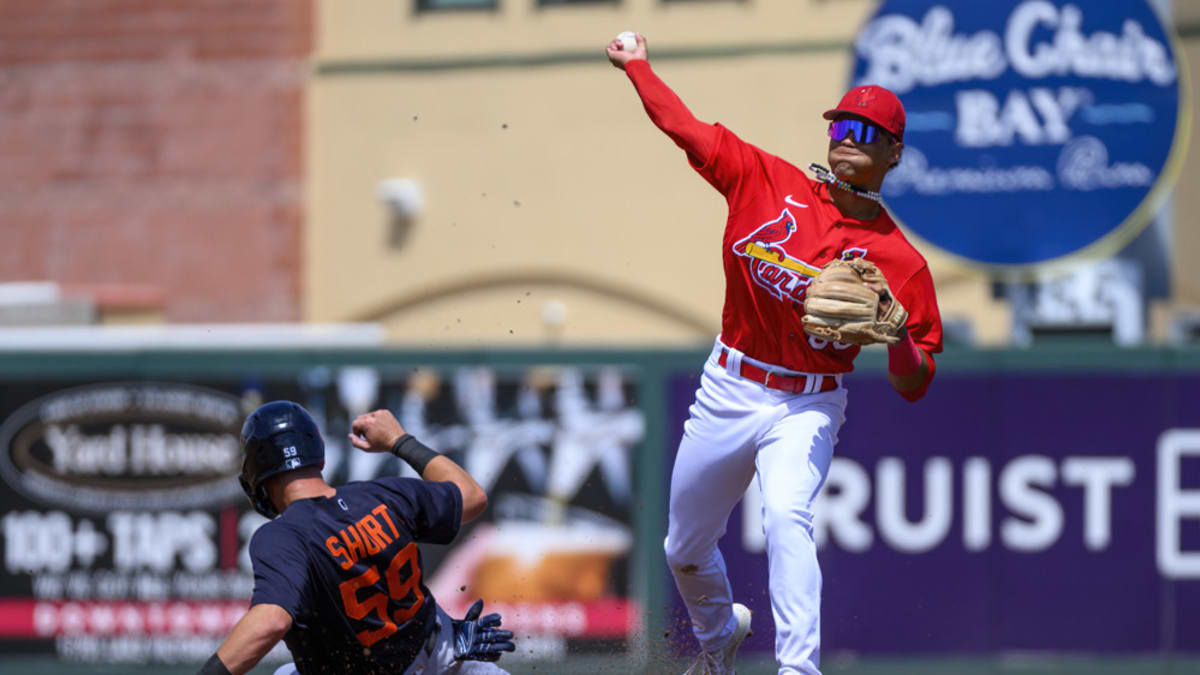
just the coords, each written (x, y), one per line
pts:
(377, 602)
(821, 343)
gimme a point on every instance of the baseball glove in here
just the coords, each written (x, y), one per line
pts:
(840, 306)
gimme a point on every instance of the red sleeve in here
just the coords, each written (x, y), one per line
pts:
(716, 153)
(924, 322)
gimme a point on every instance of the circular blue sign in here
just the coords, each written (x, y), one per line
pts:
(1036, 129)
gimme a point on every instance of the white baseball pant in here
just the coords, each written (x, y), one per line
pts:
(736, 428)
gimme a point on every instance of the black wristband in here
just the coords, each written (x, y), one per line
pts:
(214, 666)
(417, 454)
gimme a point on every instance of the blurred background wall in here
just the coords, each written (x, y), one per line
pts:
(458, 210)
(543, 181)
(267, 135)
(592, 209)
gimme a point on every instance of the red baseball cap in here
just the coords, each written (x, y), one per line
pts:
(874, 103)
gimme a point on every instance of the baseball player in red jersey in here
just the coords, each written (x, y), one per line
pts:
(771, 399)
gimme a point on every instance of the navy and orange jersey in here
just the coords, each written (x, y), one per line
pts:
(347, 569)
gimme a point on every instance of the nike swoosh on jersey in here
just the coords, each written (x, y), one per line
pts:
(793, 202)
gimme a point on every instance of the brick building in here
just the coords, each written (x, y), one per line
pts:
(153, 154)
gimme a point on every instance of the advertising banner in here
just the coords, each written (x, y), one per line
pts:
(1001, 512)
(1036, 129)
(125, 532)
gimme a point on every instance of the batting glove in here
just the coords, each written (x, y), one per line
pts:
(477, 639)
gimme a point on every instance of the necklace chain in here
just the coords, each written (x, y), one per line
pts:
(826, 176)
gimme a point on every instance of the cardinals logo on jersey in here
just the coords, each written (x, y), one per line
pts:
(854, 254)
(782, 275)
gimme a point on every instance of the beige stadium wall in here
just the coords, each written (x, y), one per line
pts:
(1186, 273)
(544, 182)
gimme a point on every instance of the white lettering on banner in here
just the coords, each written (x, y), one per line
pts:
(1035, 521)
(155, 540)
(1083, 165)
(142, 649)
(1098, 476)
(99, 402)
(1038, 117)
(915, 174)
(1175, 503)
(75, 452)
(1018, 492)
(52, 619)
(839, 506)
(48, 542)
(113, 585)
(1129, 57)
(1033, 516)
(981, 123)
(902, 53)
(894, 526)
(187, 403)
(34, 542)
(153, 451)
(140, 449)
(977, 504)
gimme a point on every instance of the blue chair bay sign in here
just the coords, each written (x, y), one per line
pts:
(1037, 130)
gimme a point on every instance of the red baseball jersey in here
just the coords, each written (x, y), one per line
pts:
(781, 230)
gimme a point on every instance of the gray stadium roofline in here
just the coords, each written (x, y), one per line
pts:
(374, 66)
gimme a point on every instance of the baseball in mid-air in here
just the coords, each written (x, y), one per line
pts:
(628, 41)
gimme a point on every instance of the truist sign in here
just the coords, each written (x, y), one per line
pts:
(1016, 512)
(1036, 129)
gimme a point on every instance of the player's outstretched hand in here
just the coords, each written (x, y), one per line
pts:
(375, 431)
(477, 639)
(619, 57)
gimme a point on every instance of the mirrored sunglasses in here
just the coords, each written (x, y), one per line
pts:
(864, 132)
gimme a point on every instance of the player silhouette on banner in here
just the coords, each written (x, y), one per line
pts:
(593, 435)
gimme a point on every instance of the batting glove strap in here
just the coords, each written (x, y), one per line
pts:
(477, 639)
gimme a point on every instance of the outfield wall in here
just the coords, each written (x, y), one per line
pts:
(1043, 500)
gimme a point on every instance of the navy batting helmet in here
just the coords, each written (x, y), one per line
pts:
(279, 436)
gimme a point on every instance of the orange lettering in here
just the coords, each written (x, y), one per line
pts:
(399, 590)
(381, 510)
(374, 530)
(376, 603)
(354, 543)
(373, 545)
(335, 550)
